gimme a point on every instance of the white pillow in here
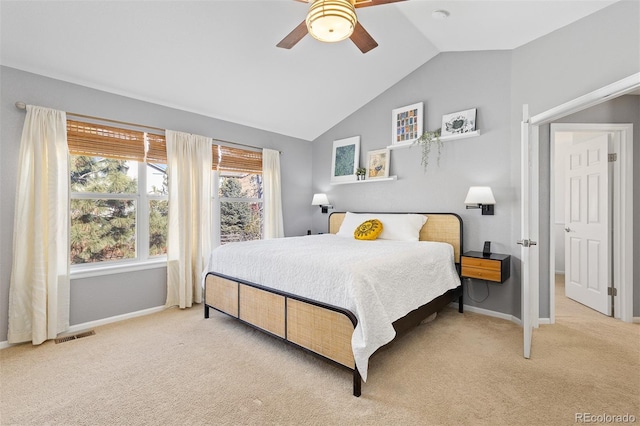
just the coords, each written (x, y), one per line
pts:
(398, 227)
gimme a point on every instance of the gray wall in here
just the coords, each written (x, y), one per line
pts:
(450, 82)
(625, 109)
(103, 297)
(570, 62)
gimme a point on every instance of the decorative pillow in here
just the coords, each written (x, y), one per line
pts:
(368, 230)
(397, 226)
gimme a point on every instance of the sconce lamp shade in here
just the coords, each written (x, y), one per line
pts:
(480, 197)
(320, 200)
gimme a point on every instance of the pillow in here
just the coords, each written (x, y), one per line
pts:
(368, 230)
(398, 226)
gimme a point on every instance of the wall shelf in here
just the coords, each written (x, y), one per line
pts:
(367, 180)
(442, 138)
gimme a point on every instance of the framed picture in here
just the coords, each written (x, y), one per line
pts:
(406, 123)
(459, 122)
(378, 162)
(345, 159)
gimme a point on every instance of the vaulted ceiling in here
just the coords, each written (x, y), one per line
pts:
(219, 58)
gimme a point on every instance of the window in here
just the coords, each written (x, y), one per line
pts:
(239, 193)
(119, 194)
(119, 202)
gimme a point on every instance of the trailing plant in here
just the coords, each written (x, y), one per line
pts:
(427, 140)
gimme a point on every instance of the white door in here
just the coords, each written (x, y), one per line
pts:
(528, 251)
(587, 224)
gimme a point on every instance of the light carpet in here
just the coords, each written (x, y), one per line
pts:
(176, 368)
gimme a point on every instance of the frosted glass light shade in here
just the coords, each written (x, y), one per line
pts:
(331, 20)
(480, 195)
(320, 200)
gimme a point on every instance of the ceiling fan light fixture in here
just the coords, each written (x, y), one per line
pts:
(331, 20)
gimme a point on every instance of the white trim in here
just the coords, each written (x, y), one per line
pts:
(97, 323)
(606, 93)
(636, 320)
(79, 272)
(104, 321)
(487, 312)
(544, 321)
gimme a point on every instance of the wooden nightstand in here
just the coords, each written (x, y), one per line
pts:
(495, 267)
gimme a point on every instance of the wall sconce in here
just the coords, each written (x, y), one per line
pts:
(322, 201)
(480, 197)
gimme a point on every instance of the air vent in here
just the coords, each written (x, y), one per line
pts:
(75, 336)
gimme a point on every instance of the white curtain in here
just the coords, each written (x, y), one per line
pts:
(189, 235)
(273, 224)
(39, 287)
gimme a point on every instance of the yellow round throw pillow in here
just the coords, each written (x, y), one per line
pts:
(368, 230)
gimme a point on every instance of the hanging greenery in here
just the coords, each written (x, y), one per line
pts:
(427, 140)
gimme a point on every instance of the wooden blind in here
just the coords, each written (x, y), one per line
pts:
(97, 140)
(239, 160)
(157, 151)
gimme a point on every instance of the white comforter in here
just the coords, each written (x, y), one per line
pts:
(378, 281)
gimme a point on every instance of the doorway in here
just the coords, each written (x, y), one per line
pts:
(585, 234)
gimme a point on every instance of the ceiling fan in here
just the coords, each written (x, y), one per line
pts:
(334, 20)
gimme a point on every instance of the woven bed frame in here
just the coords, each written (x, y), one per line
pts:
(317, 327)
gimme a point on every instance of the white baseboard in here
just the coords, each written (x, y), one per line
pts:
(97, 323)
(636, 320)
(488, 313)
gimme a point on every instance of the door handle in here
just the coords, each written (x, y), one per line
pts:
(526, 243)
(567, 229)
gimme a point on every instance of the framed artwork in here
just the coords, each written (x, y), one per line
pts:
(345, 159)
(407, 123)
(378, 162)
(459, 122)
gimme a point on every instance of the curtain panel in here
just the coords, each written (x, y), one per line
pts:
(273, 223)
(39, 286)
(189, 233)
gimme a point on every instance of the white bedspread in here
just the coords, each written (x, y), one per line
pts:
(378, 281)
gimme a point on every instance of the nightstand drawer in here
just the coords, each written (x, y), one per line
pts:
(492, 267)
(481, 263)
(481, 273)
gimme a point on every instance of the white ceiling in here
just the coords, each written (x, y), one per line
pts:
(219, 59)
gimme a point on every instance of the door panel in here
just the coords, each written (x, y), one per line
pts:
(587, 224)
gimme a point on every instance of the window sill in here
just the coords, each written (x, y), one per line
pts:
(84, 271)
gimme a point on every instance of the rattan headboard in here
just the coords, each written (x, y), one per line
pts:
(440, 227)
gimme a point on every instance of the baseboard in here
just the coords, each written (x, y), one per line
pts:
(636, 320)
(488, 313)
(104, 321)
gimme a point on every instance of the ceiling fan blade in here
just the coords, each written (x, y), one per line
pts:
(362, 39)
(367, 3)
(294, 36)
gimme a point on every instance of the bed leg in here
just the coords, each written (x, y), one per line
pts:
(460, 304)
(206, 311)
(357, 383)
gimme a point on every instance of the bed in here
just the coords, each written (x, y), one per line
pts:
(338, 297)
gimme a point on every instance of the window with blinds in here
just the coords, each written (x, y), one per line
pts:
(119, 193)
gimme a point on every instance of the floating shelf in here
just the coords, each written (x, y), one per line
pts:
(442, 138)
(366, 180)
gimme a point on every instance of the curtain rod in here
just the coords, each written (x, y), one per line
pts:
(22, 105)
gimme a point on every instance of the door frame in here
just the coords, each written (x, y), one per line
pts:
(613, 90)
(622, 143)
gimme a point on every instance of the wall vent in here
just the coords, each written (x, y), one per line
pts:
(75, 336)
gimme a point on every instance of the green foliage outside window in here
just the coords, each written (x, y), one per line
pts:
(240, 220)
(104, 228)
